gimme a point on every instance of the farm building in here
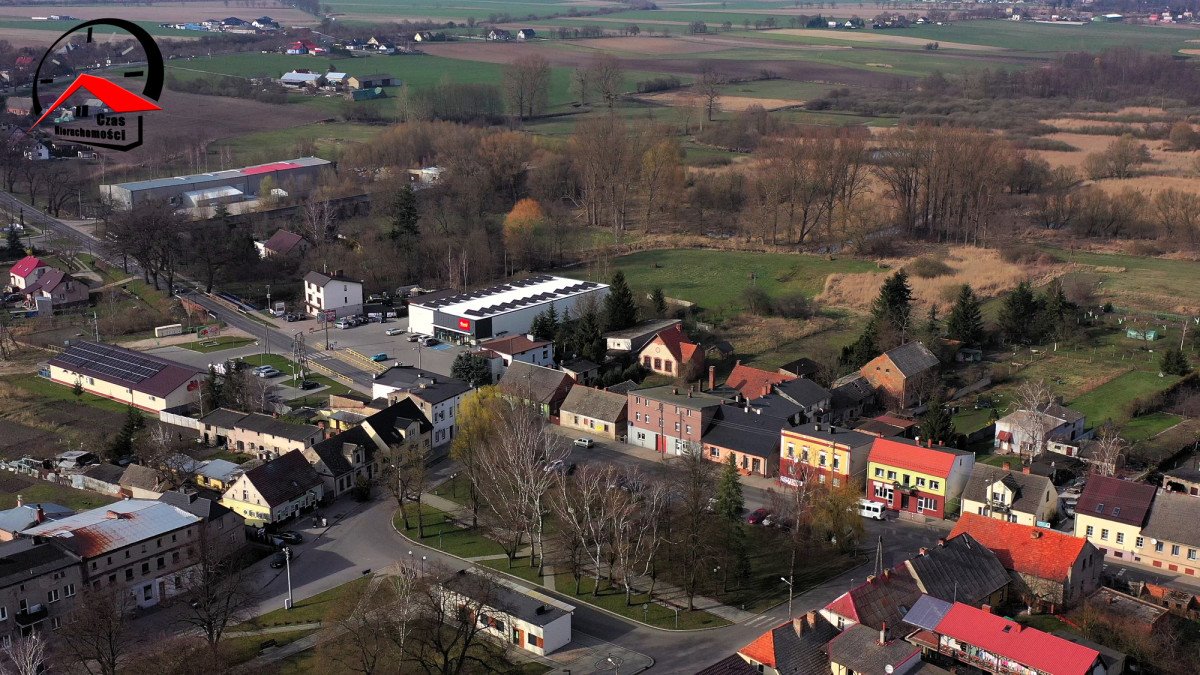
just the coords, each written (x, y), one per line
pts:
(300, 79)
(120, 374)
(371, 81)
(197, 189)
(467, 317)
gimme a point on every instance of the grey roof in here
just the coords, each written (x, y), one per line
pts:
(912, 358)
(777, 406)
(331, 451)
(284, 478)
(803, 652)
(730, 665)
(1173, 518)
(597, 403)
(501, 595)
(643, 332)
(1029, 488)
(801, 367)
(319, 279)
(1187, 473)
(679, 396)
(623, 387)
(220, 469)
(852, 389)
(265, 424)
(534, 383)
(104, 472)
(1064, 413)
(747, 432)
(228, 174)
(858, 649)
(25, 559)
(208, 509)
(960, 570)
(836, 434)
(579, 365)
(927, 612)
(115, 526)
(223, 418)
(803, 392)
(419, 383)
(20, 517)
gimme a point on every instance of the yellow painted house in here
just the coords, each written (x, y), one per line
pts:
(1014, 496)
(275, 491)
(911, 478)
(1111, 514)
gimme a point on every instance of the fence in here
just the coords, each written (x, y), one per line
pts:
(179, 416)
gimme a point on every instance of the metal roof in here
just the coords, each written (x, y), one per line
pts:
(124, 367)
(229, 174)
(503, 298)
(115, 526)
(927, 612)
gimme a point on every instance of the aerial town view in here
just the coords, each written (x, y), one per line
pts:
(720, 337)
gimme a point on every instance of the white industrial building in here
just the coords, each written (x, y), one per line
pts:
(504, 309)
(294, 176)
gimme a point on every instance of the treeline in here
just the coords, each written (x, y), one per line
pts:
(455, 102)
(225, 85)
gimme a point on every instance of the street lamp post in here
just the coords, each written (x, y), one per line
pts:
(791, 589)
(420, 361)
(287, 561)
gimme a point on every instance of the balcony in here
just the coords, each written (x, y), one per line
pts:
(32, 615)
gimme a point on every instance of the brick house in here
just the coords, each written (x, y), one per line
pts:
(670, 353)
(829, 453)
(904, 376)
(754, 382)
(669, 419)
(1050, 570)
(916, 479)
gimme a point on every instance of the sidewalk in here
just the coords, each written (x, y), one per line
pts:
(665, 594)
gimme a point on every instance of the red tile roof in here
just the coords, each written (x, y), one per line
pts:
(513, 344)
(753, 382)
(932, 461)
(268, 168)
(762, 649)
(883, 599)
(25, 266)
(1045, 554)
(676, 343)
(1028, 646)
(1118, 500)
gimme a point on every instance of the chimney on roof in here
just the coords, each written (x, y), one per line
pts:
(712, 378)
(738, 363)
(674, 391)
(1035, 533)
(922, 551)
(689, 393)
(1007, 466)
(929, 442)
(870, 578)
(883, 633)
(1025, 469)
(986, 608)
(887, 573)
(941, 541)
(20, 501)
(40, 516)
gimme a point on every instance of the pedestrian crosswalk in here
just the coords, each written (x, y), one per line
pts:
(762, 620)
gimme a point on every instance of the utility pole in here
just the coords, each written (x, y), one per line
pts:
(269, 307)
(299, 353)
(95, 327)
(287, 561)
(791, 590)
(1184, 335)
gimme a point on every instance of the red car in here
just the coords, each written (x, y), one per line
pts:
(757, 516)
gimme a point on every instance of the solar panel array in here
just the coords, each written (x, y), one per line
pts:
(111, 362)
(530, 300)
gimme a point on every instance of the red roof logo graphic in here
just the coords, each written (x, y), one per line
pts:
(116, 97)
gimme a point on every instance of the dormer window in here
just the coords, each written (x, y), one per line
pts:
(1100, 508)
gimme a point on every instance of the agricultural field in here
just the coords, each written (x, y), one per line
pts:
(1144, 286)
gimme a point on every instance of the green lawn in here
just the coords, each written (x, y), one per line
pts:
(328, 608)
(238, 650)
(613, 599)
(447, 537)
(1143, 284)
(1107, 402)
(43, 492)
(1148, 426)
(263, 146)
(41, 386)
(217, 344)
(520, 569)
(717, 280)
(284, 365)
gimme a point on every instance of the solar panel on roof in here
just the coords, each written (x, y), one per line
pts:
(112, 362)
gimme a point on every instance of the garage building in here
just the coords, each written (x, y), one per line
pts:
(294, 176)
(504, 309)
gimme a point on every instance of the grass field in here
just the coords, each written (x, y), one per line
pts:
(217, 344)
(1142, 283)
(46, 389)
(328, 608)
(717, 280)
(264, 146)
(50, 493)
(1107, 401)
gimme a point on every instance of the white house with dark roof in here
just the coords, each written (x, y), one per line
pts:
(516, 615)
(26, 271)
(437, 396)
(144, 381)
(333, 295)
(1015, 496)
(1054, 428)
(275, 491)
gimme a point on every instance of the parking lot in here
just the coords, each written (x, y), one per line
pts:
(370, 339)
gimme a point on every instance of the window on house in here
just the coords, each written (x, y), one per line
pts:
(677, 426)
(1158, 547)
(920, 482)
(1175, 549)
(668, 365)
(69, 590)
(1090, 530)
(837, 482)
(55, 623)
(821, 459)
(688, 429)
(713, 452)
(1116, 511)
(52, 595)
(891, 475)
(145, 568)
(878, 472)
(129, 574)
(1104, 534)
(1120, 537)
(3, 614)
(933, 485)
(1139, 542)
(821, 478)
(791, 451)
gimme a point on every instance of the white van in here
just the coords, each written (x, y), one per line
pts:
(870, 509)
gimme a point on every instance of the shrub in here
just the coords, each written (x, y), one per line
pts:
(928, 267)
(757, 301)
(1029, 254)
(665, 83)
(795, 306)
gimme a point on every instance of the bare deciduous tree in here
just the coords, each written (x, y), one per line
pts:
(526, 84)
(404, 476)
(636, 538)
(450, 639)
(695, 482)
(1032, 398)
(1108, 450)
(27, 655)
(606, 75)
(100, 635)
(221, 590)
(709, 85)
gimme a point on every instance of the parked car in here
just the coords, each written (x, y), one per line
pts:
(428, 342)
(269, 372)
(279, 560)
(415, 337)
(870, 509)
(379, 357)
(584, 443)
(344, 323)
(394, 331)
(560, 467)
(308, 384)
(758, 516)
(13, 297)
(291, 537)
(290, 317)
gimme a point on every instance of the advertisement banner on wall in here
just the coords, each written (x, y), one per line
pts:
(209, 331)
